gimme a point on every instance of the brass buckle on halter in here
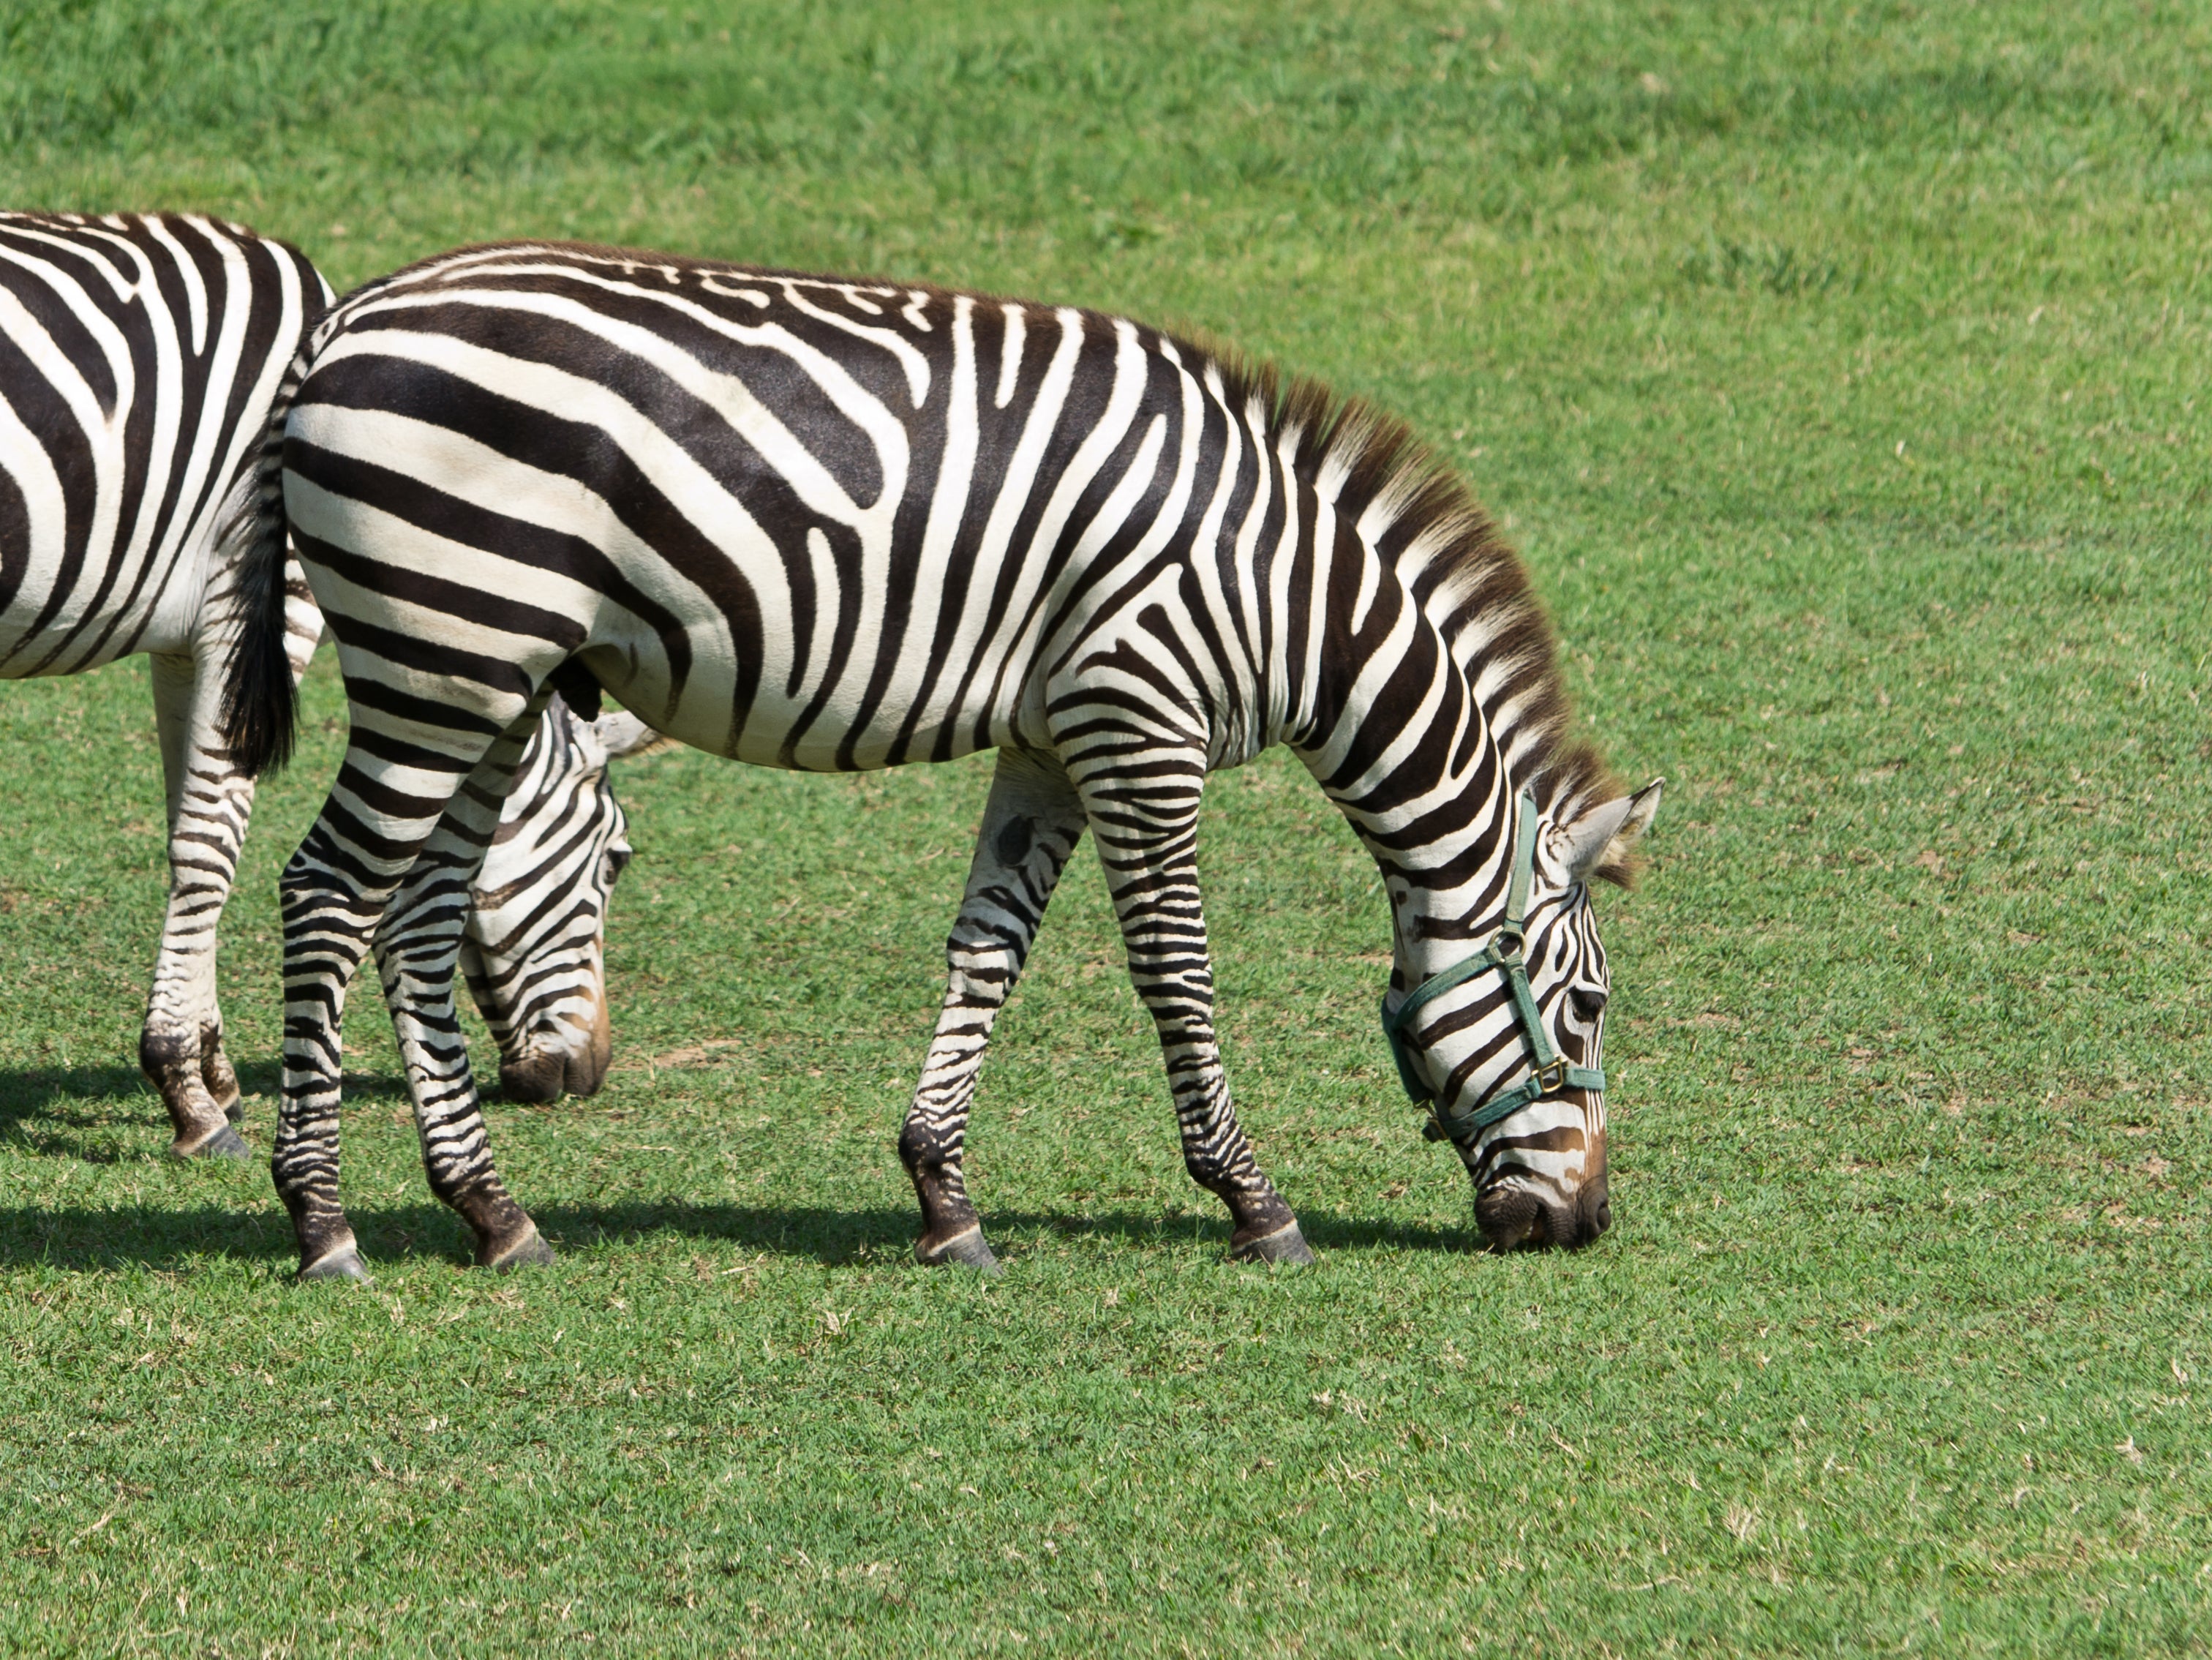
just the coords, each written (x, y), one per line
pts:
(1552, 1079)
(1506, 947)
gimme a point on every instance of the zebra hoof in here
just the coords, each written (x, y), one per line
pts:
(1286, 1247)
(224, 1142)
(963, 1251)
(343, 1263)
(530, 1251)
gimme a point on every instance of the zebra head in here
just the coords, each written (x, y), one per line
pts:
(1509, 1045)
(534, 954)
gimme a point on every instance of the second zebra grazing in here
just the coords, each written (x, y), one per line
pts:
(139, 354)
(820, 524)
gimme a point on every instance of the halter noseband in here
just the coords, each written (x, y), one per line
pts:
(1506, 953)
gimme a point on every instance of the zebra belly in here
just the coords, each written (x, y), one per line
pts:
(837, 734)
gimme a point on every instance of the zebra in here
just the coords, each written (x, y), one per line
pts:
(139, 354)
(533, 955)
(827, 523)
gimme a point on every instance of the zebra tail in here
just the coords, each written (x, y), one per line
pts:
(260, 699)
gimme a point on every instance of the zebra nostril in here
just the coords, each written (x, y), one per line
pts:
(1596, 1205)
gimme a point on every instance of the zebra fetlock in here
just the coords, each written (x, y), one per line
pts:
(172, 1062)
(217, 1074)
(932, 1158)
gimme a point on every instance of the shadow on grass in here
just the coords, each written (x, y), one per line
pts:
(71, 1112)
(80, 1099)
(175, 1238)
(64, 1111)
(51, 1110)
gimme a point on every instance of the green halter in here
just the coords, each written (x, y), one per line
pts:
(1505, 952)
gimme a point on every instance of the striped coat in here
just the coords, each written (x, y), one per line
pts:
(816, 523)
(139, 355)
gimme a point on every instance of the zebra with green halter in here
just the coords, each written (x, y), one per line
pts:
(815, 523)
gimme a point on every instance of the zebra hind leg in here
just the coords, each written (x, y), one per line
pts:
(418, 947)
(1031, 823)
(380, 814)
(1143, 811)
(209, 804)
(180, 1047)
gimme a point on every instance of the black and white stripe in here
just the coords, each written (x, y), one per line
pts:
(822, 524)
(533, 955)
(139, 357)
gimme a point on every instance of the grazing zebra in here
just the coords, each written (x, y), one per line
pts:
(820, 524)
(537, 909)
(139, 354)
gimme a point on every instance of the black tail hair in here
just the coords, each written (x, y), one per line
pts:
(260, 700)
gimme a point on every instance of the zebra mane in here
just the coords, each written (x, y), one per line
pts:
(1423, 521)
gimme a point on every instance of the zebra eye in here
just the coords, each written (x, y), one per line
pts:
(1588, 1000)
(613, 862)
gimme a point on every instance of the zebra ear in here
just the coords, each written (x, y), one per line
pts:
(1601, 843)
(621, 736)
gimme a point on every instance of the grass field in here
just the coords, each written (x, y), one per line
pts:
(1839, 372)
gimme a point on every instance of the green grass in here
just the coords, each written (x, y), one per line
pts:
(1839, 372)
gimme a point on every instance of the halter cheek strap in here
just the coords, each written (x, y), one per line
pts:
(1506, 953)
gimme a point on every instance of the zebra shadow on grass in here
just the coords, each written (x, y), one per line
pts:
(99, 1115)
(183, 1238)
(75, 1112)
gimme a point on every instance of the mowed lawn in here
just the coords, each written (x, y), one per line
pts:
(1842, 373)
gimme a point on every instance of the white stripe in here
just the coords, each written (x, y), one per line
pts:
(1010, 355)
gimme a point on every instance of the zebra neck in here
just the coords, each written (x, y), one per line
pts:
(1429, 793)
(1448, 897)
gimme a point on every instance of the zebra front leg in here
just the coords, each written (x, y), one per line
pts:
(417, 950)
(180, 1046)
(1031, 823)
(1143, 811)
